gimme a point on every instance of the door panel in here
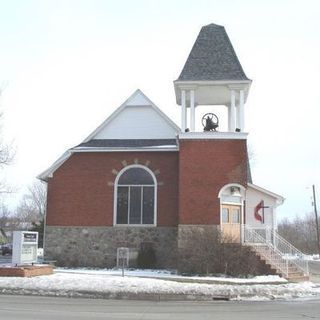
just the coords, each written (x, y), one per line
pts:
(230, 223)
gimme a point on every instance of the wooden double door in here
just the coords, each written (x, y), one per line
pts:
(231, 222)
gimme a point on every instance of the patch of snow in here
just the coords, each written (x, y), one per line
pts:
(167, 274)
(100, 281)
(312, 257)
(63, 282)
(306, 257)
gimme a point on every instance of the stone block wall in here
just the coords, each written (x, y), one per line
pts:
(186, 232)
(97, 246)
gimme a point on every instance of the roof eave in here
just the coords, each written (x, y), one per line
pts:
(194, 84)
(211, 82)
(279, 198)
(125, 149)
(45, 175)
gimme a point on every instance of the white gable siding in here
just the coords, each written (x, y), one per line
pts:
(137, 122)
(138, 99)
(253, 197)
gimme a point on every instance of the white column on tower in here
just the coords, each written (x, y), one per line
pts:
(232, 112)
(229, 118)
(237, 125)
(192, 111)
(183, 111)
(241, 110)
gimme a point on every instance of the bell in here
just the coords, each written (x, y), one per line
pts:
(210, 125)
(210, 122)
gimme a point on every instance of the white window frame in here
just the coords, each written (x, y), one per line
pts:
(115, 196)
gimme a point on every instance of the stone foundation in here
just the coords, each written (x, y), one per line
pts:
(97, 246)
(192, 249)
(187, 231)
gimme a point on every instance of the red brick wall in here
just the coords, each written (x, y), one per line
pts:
(205, 166)
(79, 194)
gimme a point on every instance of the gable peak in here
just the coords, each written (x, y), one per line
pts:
(138, 98)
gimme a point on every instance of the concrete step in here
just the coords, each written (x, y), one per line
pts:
(294, 273)
(301, 278)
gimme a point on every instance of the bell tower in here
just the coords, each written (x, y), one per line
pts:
(211, 160)
(212, 75)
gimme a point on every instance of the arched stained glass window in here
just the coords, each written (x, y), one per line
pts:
(135, 196)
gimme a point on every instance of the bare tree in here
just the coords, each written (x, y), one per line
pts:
(31, 209)
(6, 153)
(8, 223)
(4, 218)
(33, 204)
(301, 232)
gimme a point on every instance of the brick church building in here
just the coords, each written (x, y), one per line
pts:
(139, 178)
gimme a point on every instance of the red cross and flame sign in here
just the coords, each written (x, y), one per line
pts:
(257, 215)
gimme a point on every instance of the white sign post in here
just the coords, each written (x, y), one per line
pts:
(122, 258)
(25, 247)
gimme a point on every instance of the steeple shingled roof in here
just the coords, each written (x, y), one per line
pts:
(212, 57)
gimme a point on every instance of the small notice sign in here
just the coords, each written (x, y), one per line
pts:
(25, 247)
(30, 237)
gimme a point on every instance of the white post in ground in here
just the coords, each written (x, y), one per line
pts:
(192, 112)
(183, 111)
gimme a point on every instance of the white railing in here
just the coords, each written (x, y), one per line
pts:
(257, 239)
(278, 251)
(289, 252)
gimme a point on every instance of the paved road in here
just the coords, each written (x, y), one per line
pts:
(44, 308)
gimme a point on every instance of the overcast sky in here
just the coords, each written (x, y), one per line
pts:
(70, 64)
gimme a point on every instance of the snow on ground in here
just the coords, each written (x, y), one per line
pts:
(167, 274)
(97, 282)
(311, 257)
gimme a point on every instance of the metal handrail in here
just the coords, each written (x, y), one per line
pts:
(289, 252)
(281, 252)
(254, 239)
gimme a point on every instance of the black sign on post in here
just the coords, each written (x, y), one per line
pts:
(30, 237)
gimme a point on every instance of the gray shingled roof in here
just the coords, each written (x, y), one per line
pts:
(127, 143)
(212, 57)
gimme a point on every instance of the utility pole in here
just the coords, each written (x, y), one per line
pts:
(316, 214)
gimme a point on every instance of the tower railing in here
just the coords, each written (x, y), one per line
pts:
(275, 249)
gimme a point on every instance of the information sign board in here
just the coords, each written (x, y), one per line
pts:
(25, 247)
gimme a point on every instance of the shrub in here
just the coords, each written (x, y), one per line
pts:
(146, 256)
(205, 251)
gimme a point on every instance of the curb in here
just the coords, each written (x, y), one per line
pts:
(116, 295)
